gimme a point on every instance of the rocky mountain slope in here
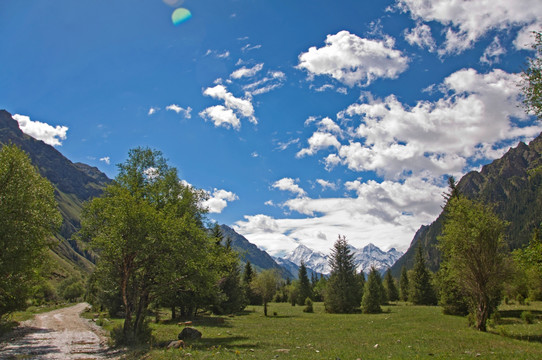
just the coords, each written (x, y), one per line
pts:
(74, 184)
(513, 184)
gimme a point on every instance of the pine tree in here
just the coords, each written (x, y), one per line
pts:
(372, 294)
(403, 284)
(391, 289)
(342, 290)
(361, 281)
(421, 291)
(305, 290)
(248, 276)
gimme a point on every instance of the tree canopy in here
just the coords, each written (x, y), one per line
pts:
(28, 217)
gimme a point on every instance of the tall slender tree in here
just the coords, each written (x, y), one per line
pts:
(342, 290)
(403, 284)
(305, 290)
(265, 284)
(372, 294)
(421, 290)
(391, 288)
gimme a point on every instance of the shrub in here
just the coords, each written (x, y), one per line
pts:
(308, 306)
(527, 317)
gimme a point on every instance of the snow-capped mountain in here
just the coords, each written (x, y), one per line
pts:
(370, 255)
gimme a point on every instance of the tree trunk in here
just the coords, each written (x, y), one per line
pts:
(265, 308)
(482, 314)
(173, 314)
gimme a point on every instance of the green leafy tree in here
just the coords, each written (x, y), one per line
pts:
(473, 251)
(148, 231)
(391, 288)
(305, 288)
(265, 284)
(450, 295)
(403, 284)
(529, 260)
(342, 290)
(28, 217)
(421, 290)
(372, 294)
(532, 79)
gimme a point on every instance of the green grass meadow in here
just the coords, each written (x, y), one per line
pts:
(402, 332)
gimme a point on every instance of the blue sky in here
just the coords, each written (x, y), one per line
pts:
(301, 119)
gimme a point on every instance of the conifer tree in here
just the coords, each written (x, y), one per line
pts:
(361, 281)
(248, 276)
(305, 290)
(391, 289)
(421, 291)
(403, 284)
(342, 290)
(372, 294)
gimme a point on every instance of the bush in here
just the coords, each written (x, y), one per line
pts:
(308, 306)
(521, 299)
(527, 317)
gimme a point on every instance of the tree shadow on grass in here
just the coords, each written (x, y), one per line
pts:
(517, 313)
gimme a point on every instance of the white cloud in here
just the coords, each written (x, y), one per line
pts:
(51, 135)
(246, 72)
(221, 116)
(288, 184)
(249, 47)
(525, 37)
(219, 55)
(273, 80)
(241, 106)
(106, 159)
(326, 124)
(385, 214)
(284, 145)
(467, 21)
(186, 112)
(353, 60)
(478, 112)
(319, 141)
(421, 36)
(152, 111)
(219, 200)
(326, 184)
(493, 52)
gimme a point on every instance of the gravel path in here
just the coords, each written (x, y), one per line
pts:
(58, 334)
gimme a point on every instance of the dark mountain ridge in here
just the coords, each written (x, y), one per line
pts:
(74, 184)
(512, 184)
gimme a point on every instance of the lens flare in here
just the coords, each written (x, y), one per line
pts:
(180, 15)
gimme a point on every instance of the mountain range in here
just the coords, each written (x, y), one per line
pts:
(512, 184)
(364, 259)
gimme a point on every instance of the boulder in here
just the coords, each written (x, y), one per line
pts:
(189, 333)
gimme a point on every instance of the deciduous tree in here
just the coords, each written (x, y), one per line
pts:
(28, 217)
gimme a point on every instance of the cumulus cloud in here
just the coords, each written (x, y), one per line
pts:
(246, 72)
(227, 114)
(152, 110)
(385, 214)
(478, 115)
(106, 159)
(421, 36)
(218, 200)
(221, 116)
(467, 21)
(326, 184)
(51, 135)
(288, 184)
(180, 110)
(318, 141)
(353, 60)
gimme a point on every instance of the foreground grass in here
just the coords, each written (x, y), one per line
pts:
(405, 332)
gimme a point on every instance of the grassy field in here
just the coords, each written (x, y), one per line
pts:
(402, 332)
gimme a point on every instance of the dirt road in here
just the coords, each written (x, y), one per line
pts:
(59, 334)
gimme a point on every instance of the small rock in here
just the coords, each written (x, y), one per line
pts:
(284, 351)
(399, 341)
(189, 333)
(376, 346)
(478, 354)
